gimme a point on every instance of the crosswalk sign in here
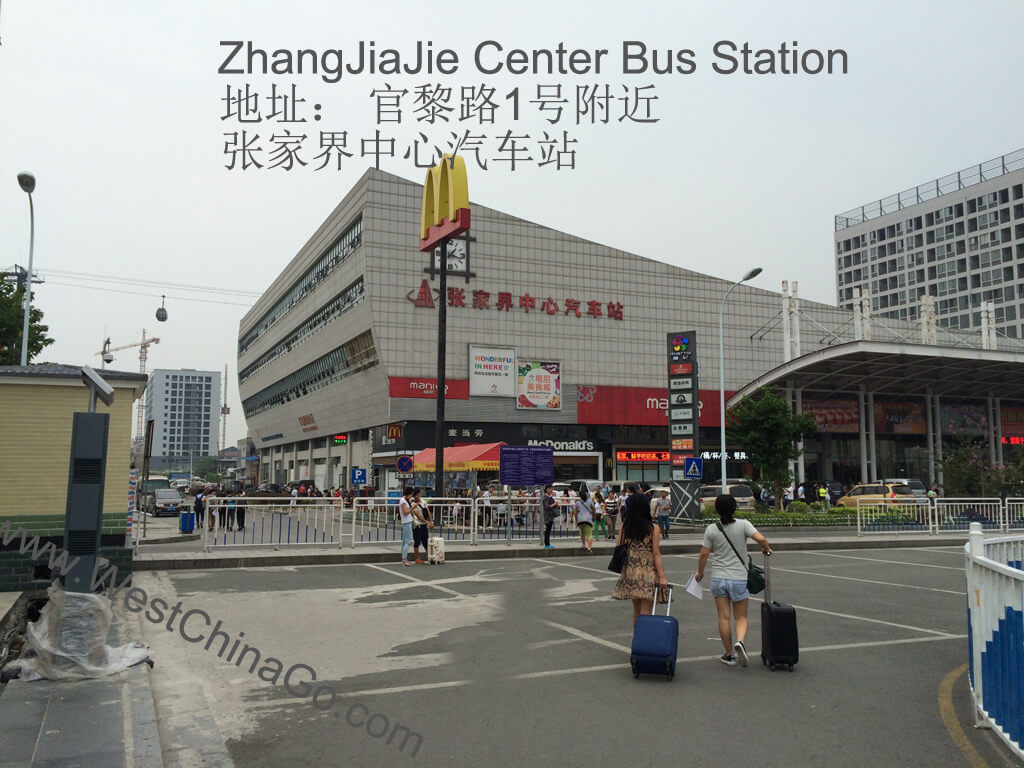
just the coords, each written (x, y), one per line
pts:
(693, 468)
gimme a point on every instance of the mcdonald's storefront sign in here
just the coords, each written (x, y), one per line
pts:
(445, 211)
(394, 432)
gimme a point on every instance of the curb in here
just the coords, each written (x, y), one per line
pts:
(343, 557)
(171, 539)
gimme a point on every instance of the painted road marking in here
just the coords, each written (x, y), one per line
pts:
(880, 560)
(587, 636)
(405, 688)
(869, 581)
(580, 567)
(952, 722)
(876, 621)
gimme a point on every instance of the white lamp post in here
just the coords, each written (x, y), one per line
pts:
(28, 183)
(721, 361)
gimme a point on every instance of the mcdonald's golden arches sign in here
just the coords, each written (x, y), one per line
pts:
(445, 210)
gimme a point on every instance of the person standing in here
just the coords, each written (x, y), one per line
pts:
(599, 515)
(823, 495)
(550, 506)
(727, 541)
(787, 498)
(241, 505)
(801, 493)
(420, 529)
(643, 570)
(406, 517)
(663, 508)
(611, 510)
(583, 515)
(197, 507)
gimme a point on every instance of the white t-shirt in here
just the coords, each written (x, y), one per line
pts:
(295, 495)
(405, 509)
(486, 498)
(725, 564)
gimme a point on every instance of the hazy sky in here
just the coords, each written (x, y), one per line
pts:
(118, 112)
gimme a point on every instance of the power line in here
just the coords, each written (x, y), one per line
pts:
(148, 283)
(154, 295)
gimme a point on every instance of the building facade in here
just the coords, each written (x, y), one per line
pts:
(185, 408)
(337, 360)
(958, 239)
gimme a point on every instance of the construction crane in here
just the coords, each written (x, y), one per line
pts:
(107, 356)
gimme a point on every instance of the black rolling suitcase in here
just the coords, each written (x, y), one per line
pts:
(779, 644)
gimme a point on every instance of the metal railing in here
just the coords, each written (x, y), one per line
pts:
(995, 641)
(263, 521)
(934, 516)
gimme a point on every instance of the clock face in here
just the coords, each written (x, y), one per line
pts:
(456, 257)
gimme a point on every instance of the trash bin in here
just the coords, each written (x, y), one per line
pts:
(186, 521)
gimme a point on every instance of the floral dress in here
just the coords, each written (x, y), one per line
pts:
(639, 577)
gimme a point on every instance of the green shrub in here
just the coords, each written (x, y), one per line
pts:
(798, 507)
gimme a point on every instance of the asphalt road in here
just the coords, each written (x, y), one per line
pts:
(525, 662)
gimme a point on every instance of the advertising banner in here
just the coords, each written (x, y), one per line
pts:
(404, 386)
(901, 418)
(492, 372)
(641, 406)
(1011, 419)
(834, 415)
(539, 385)
(963, 419)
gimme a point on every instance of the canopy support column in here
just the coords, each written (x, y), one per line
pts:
(800, 472)
(872, 453)
(931, 437)
(863, 436)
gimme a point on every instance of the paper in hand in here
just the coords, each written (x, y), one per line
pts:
(694, 588)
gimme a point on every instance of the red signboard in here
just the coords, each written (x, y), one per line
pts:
(402, 386)
(637, 406)
(641, 456)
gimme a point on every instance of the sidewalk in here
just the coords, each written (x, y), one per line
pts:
(160, 558)
(105, 722)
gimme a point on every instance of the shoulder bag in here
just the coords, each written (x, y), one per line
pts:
(755, 574)
(619, 557)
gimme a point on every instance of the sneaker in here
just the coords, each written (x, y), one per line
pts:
(549, 546)
(728, 658)
(741, 653)
(406, 562)
(419, 561)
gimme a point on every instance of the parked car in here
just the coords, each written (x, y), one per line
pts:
(919, 488)
(877, 493)
(167, 501)
(742, 493)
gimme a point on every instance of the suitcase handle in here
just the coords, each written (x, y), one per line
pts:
(654, 605)
(767, 578)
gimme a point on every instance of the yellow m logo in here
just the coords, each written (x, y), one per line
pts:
(445, 211)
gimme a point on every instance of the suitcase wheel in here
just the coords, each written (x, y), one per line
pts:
(632, 665)
(790, 667)
(669, 672)
(772, 667)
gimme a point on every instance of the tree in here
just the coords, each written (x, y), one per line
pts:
(12, 318)
(968, 471)
(770, 432)
(205, 467)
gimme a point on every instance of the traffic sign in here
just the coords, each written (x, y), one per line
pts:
(694, 468)
(404, 464)
(358, 476)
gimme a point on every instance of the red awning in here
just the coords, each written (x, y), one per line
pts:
(461, 458)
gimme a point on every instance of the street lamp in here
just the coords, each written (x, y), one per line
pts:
(28, 183)
(721, 361)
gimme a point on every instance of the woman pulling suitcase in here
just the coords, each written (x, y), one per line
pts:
(726, 540)
(643, 569)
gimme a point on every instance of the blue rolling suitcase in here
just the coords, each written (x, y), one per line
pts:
(655, 642)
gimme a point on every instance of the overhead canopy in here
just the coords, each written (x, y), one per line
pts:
(896, 368)
(461, 458)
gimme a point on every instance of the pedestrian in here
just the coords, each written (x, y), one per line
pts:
(407, 514)
(421, 526)
(566, 504)
(787, 498)
(611, 510)
(643, 570)
(241, 504)
(599, 515)
(197, 507)
(663, 508)
(800, 493)
(823, 495)
(727, 541)
(550, 505)
(229, 513)
(295, 496)
(583, 516)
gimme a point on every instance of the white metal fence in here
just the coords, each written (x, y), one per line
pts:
(995, 618)
(933, 516)
(261, 521)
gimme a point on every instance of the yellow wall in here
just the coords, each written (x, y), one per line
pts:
(35, 446)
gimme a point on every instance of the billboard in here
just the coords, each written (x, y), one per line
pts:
(641, 406)
(539, 385)
(834, 415)
(900, 418)
(963, 419)
(1011, 420)
(405, 386)
(492, 372)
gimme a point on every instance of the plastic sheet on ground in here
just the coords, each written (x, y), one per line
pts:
(69, 640)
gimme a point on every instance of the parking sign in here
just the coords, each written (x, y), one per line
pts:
(358, 476)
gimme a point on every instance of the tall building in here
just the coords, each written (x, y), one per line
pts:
(185, 407)
(959, 239)
(337, 359)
